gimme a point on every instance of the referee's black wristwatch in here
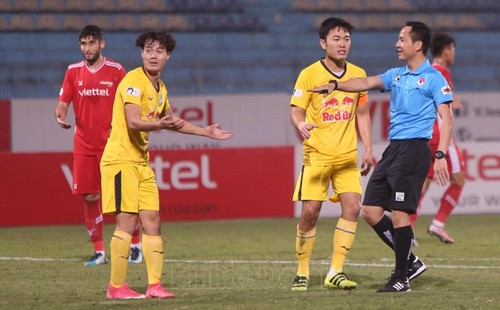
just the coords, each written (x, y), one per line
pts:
(335, 84)
(440, 155)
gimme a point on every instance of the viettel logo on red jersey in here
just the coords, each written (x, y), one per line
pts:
(93, 92)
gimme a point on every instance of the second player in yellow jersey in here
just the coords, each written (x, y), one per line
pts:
(327, 123)
(335, 137)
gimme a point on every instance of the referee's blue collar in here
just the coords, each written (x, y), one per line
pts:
(426, 64)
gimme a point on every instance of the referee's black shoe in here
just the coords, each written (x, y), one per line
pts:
(416, 268)
(396, 284)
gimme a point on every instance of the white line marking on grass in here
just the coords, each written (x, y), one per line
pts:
(488, 259)
(35, 259)
(315, 262)
(280, 262)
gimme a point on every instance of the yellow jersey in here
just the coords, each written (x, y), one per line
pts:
(124, 144)
(335, 139)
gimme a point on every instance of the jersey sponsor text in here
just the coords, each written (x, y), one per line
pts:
(93, 92)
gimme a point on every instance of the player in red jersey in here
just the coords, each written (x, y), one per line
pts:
(443, 51)
(91, 85)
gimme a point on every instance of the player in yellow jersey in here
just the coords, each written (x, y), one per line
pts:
(129, 188)
(327, 124)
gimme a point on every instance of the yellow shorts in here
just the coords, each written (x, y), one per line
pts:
(128, 187)
(314, 181)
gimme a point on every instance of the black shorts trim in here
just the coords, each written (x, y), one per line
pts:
(118, 192)
(299, 194)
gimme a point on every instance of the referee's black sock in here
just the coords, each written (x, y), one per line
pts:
(385, 231)
(402, 246)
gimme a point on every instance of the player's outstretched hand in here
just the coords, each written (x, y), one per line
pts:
(215, 132)
(171, 122)
(324, 89)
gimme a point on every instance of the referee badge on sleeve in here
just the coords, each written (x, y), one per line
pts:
(446, 90)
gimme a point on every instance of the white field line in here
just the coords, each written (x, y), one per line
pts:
(326, 262)
(385, 262)
(36, 259)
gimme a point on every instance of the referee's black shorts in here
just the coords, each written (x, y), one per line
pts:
(397, 180)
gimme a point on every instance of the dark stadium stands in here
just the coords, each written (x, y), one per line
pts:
(121, 6)
(225, 15)
(239, 46)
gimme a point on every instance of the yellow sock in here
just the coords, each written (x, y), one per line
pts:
(152, 248)
(343, 238)
(304, 243)
(120, 248)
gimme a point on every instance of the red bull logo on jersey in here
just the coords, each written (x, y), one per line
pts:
(153, 115)
(341, 115)
(93, 92)
(332, 102)
(348, 101)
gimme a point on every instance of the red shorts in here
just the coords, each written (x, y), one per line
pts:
(86, 174)
(455, 159)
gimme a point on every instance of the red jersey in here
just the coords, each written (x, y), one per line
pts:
(92, 93)
(437, 124)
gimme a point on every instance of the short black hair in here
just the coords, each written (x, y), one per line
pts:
(420, 32)
(91, 31)
(439, 42)
(165, 39)
(331, 23)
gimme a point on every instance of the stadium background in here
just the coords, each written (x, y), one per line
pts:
(236, 63)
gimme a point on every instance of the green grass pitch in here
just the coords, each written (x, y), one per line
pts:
(250, 264)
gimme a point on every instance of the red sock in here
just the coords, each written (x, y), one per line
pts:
(448, 202)
(94, 223)
(136, 236)
(413, 217)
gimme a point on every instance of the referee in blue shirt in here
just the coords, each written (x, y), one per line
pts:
(418, 91)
